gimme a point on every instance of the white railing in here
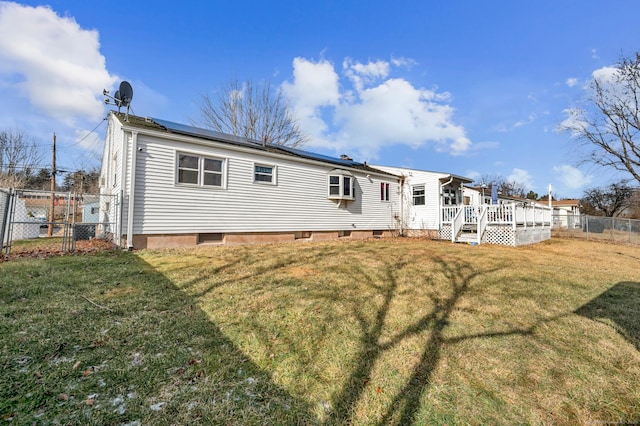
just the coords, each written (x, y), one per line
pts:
(482, 224)
(456, 224)
(515, 214)
(448, 213)
(501, 213)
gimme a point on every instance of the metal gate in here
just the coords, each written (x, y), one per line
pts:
(37, 218)
(5, 196)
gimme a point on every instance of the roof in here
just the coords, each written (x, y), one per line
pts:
(169, 127)
(565, 203)
(447, 175)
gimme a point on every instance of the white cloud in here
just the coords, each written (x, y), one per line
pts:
(314, 87)
(403, 62)
(572, 81)
(53, 62)
(571, 177)
(605, 74)
(522, 177)
(374, 112)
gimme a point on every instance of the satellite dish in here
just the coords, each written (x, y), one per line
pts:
(122, 97)
(126, 93)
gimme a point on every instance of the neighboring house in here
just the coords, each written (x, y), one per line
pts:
(423, 196)
(90, 209)
(566, 213)
(182, 185)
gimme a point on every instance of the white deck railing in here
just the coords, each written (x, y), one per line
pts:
(515, 214)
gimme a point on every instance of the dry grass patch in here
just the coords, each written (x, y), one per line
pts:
(414, 331)
(401, 331)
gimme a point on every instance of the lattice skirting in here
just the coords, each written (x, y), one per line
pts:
(503, 235)
(445, 231)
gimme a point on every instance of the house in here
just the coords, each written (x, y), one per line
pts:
(182, 186)
(566, 213)
(90, 209)
(439, 205)
(423, 195)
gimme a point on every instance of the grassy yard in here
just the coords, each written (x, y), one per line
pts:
(400, 331)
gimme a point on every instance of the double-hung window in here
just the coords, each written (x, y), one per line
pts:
(264, 173)
(341, 185)
(384, 191)
(200, 170)
(418, 195)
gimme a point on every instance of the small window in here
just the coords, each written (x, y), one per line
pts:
(384, 191)
(212, 172)
(334, 186)
(188, 167)
(341, 185)
(94, 210)
(262, 173)
(347, 187)
(418, 195)
(198, 170)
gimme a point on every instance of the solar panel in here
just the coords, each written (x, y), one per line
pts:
(213, 135)
(321, 157)
(203, 133)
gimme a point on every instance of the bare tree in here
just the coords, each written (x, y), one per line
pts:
(19, 157)
(610, 201)
(608, 127)
(508, 188)
(257, 113)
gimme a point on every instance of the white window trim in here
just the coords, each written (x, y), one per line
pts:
(424, 195)
(387, 192)
(201, 173)
(341, 175)
(274, 174)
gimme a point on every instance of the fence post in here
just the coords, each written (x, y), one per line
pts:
(586, 219)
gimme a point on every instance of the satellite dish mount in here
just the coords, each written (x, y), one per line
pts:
(122, 97)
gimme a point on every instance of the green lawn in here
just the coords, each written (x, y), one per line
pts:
(399, 331)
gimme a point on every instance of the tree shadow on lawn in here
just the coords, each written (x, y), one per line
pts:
(406, 403)
(124, 330)
(619, 305)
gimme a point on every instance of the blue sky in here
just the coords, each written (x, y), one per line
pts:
(467, 87)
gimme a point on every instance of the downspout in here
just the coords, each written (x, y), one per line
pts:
(401, 221)
(132, 189)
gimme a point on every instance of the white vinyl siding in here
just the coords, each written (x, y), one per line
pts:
(298, 201)
(425, 216)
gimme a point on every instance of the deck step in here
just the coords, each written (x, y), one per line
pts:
(467, 237)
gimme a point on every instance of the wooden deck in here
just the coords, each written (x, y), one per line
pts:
(512, 224)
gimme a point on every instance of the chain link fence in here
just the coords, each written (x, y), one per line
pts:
(56, 220)
(597, 228)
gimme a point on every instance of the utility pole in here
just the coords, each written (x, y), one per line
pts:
(53, 186)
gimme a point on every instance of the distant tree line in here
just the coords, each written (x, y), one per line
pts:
(619, 199)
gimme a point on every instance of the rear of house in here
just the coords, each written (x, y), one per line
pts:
(183, 186)
(423, 196)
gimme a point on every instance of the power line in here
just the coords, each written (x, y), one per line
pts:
(87, 135)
